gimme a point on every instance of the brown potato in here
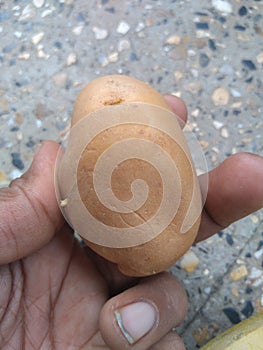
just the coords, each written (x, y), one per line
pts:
(113, 90)
(158, 156)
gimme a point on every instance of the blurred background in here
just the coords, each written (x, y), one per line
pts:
(208, 52)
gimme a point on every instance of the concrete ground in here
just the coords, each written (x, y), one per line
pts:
(209, 52)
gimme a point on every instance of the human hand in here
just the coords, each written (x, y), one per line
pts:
(55, 294)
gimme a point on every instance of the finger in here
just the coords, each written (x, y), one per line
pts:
(235, 191)
(170, 341)
(178, 107)
(29, 213)
(116, 280)
(142, 315)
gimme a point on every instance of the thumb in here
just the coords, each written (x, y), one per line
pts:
(143, 316)
(29, 213)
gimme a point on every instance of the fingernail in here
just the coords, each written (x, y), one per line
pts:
(136, 320)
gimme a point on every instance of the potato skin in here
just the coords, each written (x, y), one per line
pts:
(164, 250)
(152, 257)
(112, 90)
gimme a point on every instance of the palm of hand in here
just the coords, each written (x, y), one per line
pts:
(52, 299)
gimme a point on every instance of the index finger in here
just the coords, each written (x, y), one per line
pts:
(29, 213)
(177, 106)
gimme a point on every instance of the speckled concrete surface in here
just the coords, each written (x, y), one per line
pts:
(208, 52)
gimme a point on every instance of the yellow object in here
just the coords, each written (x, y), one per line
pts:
(247, 335)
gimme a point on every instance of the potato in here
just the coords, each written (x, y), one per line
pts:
(114, 90)
(127, 182)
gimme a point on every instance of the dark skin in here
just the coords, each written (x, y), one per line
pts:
(41, 263)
